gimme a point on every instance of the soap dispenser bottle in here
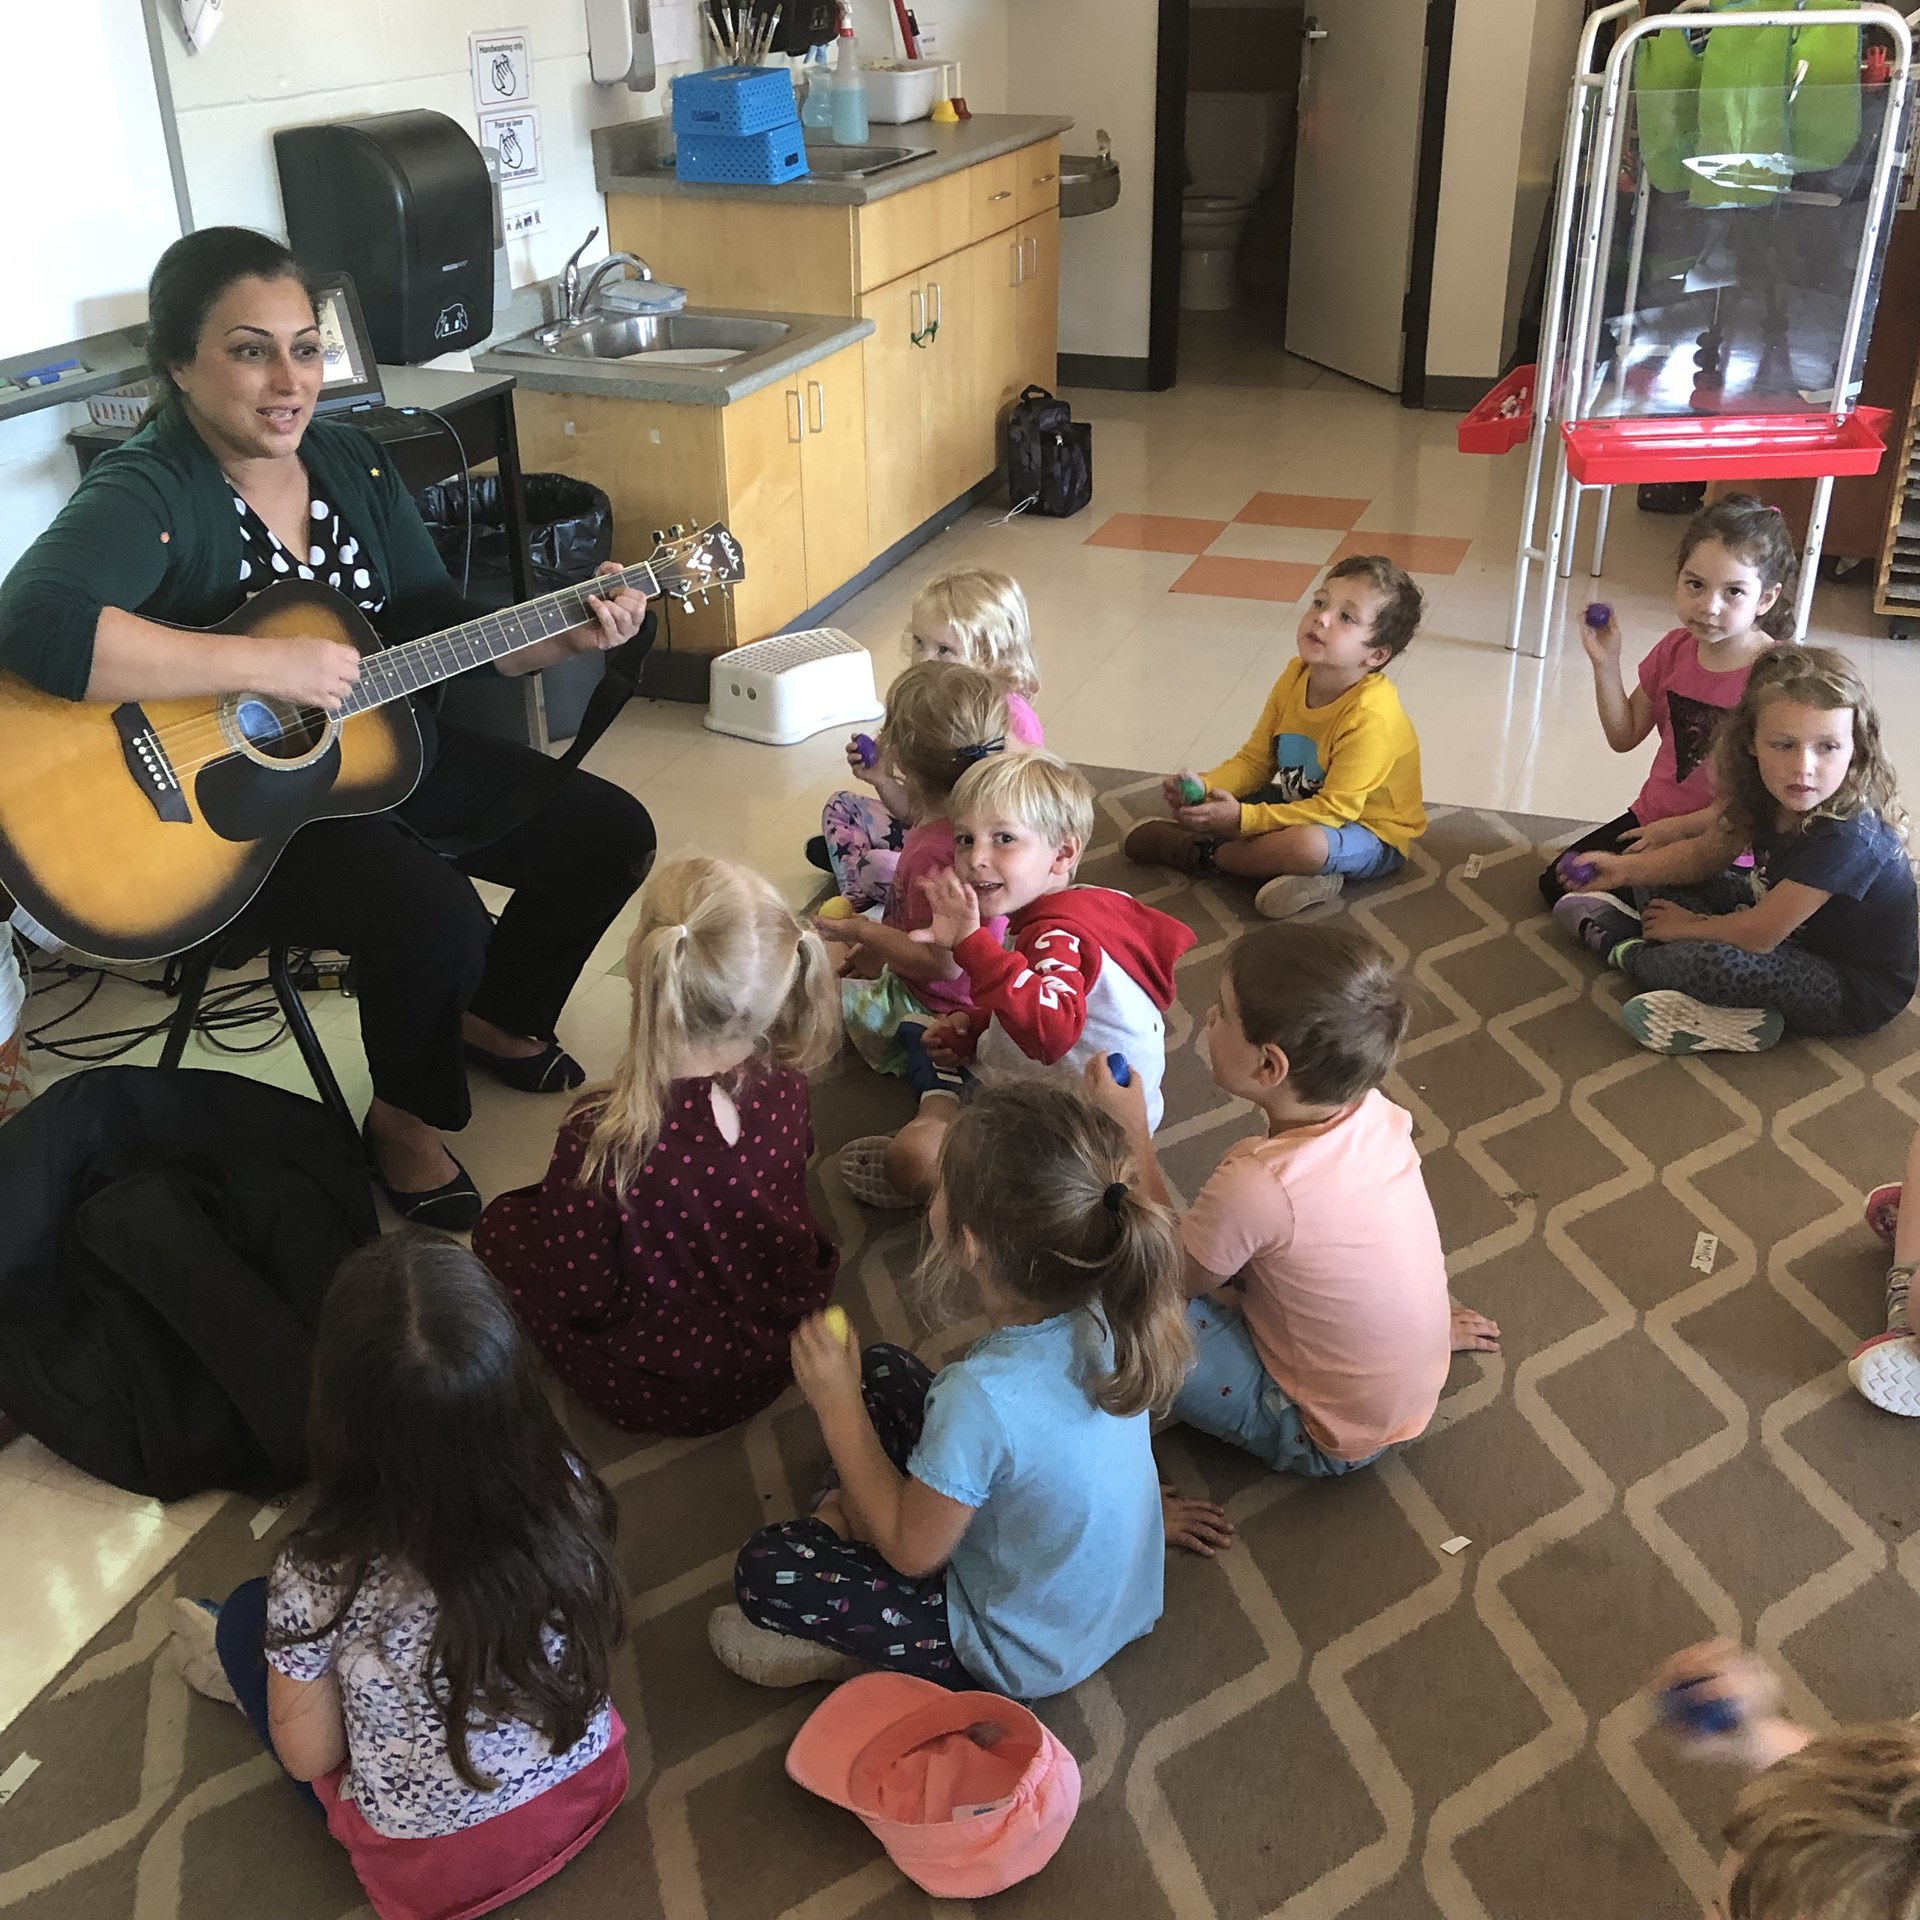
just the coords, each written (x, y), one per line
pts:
(849, 90)
(817, 109)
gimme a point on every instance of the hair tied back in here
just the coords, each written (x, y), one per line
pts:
(969, 756)
(1113, 1196)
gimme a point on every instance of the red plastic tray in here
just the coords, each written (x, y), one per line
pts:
(1503, 419)
(1727, 446)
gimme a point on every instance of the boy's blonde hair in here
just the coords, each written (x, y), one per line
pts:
(988, 612)
(1035, 787)
(941, 718)
(1832, 1831)
(1042, 1180)
(715, 957)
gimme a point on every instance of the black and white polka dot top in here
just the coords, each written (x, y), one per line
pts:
(334, 557)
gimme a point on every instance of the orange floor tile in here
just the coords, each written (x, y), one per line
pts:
(1157, 533)
(1226, 578)
(1417, 552)
(1300, 510)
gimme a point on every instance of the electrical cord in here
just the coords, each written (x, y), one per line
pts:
(466, 483)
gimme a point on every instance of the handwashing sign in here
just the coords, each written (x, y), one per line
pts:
(502, 69)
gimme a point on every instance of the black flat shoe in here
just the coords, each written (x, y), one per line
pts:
(817, 853)
(554, 1071)
(452, 1208)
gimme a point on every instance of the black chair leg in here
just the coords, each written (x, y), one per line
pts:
(194, 973)
(304, 1036)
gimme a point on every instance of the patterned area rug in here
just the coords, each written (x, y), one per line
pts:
(1336, 1717)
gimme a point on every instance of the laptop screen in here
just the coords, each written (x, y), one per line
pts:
(352, 377)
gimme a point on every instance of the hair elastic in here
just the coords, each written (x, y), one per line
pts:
(1114, 1195)
(967, 756)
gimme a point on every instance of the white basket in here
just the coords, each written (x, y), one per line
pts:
(908, 91)
(796, 684)
(119, 406)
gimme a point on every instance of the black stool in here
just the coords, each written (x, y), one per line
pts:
(195, 968)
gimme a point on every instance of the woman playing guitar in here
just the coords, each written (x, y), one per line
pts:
(230, 486)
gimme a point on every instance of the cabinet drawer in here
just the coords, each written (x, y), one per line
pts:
(993, 195)
(1038, 185)
(906, 230)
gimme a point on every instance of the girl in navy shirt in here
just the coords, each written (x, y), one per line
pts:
(1822, 937)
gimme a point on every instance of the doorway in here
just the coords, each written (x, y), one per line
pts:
(1280, 115)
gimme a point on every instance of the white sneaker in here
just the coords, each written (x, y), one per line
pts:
(863, 1166)
(194, 1651)
(1664, 1021)
(1886, 1369)
(1294, 893)
(771, 1659)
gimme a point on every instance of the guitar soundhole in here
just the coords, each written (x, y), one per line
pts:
(275, 733)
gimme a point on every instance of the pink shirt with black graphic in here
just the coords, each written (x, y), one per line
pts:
(1688, 704)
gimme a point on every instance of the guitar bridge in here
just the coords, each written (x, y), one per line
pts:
(147, 761)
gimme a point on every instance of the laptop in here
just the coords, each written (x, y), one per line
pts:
(351, 380)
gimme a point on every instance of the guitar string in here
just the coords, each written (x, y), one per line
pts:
(192, 745)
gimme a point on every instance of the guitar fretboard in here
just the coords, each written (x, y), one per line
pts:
(395, 672)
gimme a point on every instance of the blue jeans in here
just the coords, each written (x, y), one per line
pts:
(1231, 1395)
(1353, 851)
(239, 1637)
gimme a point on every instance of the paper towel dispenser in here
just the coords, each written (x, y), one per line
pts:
(620, 44)
(402, 202)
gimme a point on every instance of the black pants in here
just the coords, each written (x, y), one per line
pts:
(424, 951)
(1607, 839)
(800, 1577)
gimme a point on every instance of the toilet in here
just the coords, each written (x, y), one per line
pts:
(1232, 158)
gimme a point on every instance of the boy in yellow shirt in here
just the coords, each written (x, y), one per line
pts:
(1328, 783)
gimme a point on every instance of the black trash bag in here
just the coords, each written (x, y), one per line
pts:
(1049, 457)
(569, 532)
(166, 1240)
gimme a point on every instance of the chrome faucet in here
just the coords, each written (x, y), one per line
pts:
(637, 269)
(570, 281)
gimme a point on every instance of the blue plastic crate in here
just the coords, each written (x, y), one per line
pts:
(732, 100)
(745, 160)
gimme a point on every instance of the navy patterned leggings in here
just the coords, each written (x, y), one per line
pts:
(800, 1577)
(1804, 989)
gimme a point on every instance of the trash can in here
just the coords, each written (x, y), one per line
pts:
(569, 533)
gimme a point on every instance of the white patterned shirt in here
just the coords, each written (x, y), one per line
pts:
(398, 1772)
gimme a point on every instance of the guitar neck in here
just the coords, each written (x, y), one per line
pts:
(396, 672)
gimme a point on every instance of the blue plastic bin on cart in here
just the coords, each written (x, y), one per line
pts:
(733, 100)
(748, 160)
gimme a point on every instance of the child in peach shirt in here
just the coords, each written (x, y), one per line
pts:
(1317, 1285)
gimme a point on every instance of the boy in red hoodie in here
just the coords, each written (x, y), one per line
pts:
(1089, 972)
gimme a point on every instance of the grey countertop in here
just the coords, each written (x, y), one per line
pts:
(624, 160)
(812, 338)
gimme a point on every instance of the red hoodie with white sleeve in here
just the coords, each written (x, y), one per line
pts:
(1090, 972)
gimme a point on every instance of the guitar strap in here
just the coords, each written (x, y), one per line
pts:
(518, 805)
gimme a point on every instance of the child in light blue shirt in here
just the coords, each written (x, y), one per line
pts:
(999, 1525)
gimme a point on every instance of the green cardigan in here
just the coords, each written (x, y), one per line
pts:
(152, 530)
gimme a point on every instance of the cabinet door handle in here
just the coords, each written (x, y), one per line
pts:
(796, 420)
(994, 199)
(818, 394)
(919, 312)
(1019, 251)
(939, 304)
(1045, 179)
(1033, 241)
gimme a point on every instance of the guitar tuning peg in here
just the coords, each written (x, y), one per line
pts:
(676, 530)
(658, 536)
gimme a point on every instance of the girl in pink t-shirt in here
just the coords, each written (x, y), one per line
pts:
(1734, 594)
(979, 619)
(941, 718)
(1318, 1295)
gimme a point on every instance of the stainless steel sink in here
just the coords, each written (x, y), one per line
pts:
(855, 163)
(695, 339)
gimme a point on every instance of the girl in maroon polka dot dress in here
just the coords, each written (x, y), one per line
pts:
(665, 1260)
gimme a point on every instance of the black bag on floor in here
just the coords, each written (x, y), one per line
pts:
(1049, 457)
(166, 1240)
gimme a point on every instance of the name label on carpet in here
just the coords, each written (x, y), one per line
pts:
(1706, 1246)
(25, 1766)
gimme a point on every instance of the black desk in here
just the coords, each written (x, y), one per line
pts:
(479, 408)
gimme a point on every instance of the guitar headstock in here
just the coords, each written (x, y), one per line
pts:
(703, 561)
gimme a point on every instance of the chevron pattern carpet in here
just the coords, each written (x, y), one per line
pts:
(1335, 1718)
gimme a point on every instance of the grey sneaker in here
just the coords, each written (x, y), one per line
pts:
(1598, 921)
(772, 1659)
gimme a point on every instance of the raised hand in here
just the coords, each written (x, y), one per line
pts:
(955, 909)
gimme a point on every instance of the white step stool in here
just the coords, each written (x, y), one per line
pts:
(785, 689)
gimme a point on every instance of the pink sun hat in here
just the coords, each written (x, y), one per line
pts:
(967, 1791)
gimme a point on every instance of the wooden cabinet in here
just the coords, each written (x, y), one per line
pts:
(961, 279)
(784, 467)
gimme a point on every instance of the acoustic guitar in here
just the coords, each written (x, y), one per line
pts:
(136, 831)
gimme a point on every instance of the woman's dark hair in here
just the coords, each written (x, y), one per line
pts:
(1326, 995)
(433, 1449)
(191, 276)
(1756, 533)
